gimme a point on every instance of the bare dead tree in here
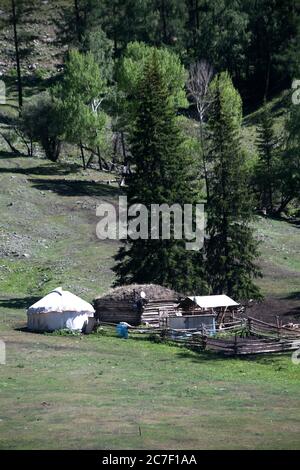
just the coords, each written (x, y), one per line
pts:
(200, 76)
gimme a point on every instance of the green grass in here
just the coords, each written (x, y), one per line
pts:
(96, 392)
(280, 256)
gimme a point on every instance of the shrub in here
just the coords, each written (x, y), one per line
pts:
(41, 122)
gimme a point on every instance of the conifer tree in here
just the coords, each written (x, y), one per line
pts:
(163, 173)
(231, 249)
(266, 168)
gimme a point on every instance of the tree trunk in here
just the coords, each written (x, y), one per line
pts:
(204, 159)
(77, 19)
(90, 160)
(268, 79)
(12, 148)
(52, 148)
(115, 38)
(16, 40)
(99, 158)
(197, 15)
(163, 19)
(283, 204)
(82, 155)
(123, 148)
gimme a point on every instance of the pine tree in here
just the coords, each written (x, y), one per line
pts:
(163, 173)
(289, 162)
(231, 249)
(17, 11)
(266, 168)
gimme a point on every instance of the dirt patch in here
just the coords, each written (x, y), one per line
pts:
(287, 309)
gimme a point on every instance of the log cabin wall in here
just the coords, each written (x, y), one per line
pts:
(116, 311)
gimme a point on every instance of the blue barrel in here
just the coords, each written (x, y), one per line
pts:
(122, 331)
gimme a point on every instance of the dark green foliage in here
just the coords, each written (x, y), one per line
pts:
(289, 165)
(272, 24)
(163, 173)
(266, 168)
(96, 42)
(41, 122)
(231, 249)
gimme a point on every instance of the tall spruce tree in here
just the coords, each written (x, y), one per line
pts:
(289, 163)
(164, 173)
(231, 249)
(266, 167)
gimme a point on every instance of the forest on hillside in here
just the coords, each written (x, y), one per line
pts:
(160, 91)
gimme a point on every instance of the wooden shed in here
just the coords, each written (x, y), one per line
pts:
(219, 305)
(136, 304)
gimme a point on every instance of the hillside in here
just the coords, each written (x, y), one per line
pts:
(47, 228)
(123, 76)
(47, 238)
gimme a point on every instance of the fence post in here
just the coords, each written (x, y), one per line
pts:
(249, 325)
(235, 348)
(278, 328)
(204, 342)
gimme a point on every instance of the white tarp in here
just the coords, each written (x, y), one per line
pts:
(57, 310)
(213, 301)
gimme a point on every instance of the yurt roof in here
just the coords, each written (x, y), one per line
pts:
(152, 291)
(61, 301)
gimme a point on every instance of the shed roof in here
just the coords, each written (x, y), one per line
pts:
(212, 301)
(61, 301)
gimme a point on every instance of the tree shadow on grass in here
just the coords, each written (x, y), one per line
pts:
(21, 303)
(293, 295)
(4, 155)
(204, 356)
(76, 188)
(201, 356)
(43, 170)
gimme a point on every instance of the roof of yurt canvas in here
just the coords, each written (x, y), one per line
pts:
(152, 291)
(60, 301)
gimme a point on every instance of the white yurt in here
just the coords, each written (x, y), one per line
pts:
(58, 310)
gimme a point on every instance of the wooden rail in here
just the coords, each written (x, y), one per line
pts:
(266, 338)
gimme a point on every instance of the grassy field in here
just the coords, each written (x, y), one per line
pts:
(101, 392)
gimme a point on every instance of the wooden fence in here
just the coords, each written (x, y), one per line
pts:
(261, 328)
(236, 346)
(264, 338)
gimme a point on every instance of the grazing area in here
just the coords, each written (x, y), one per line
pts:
(150, 224)
(100, 392)
(49, 238)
